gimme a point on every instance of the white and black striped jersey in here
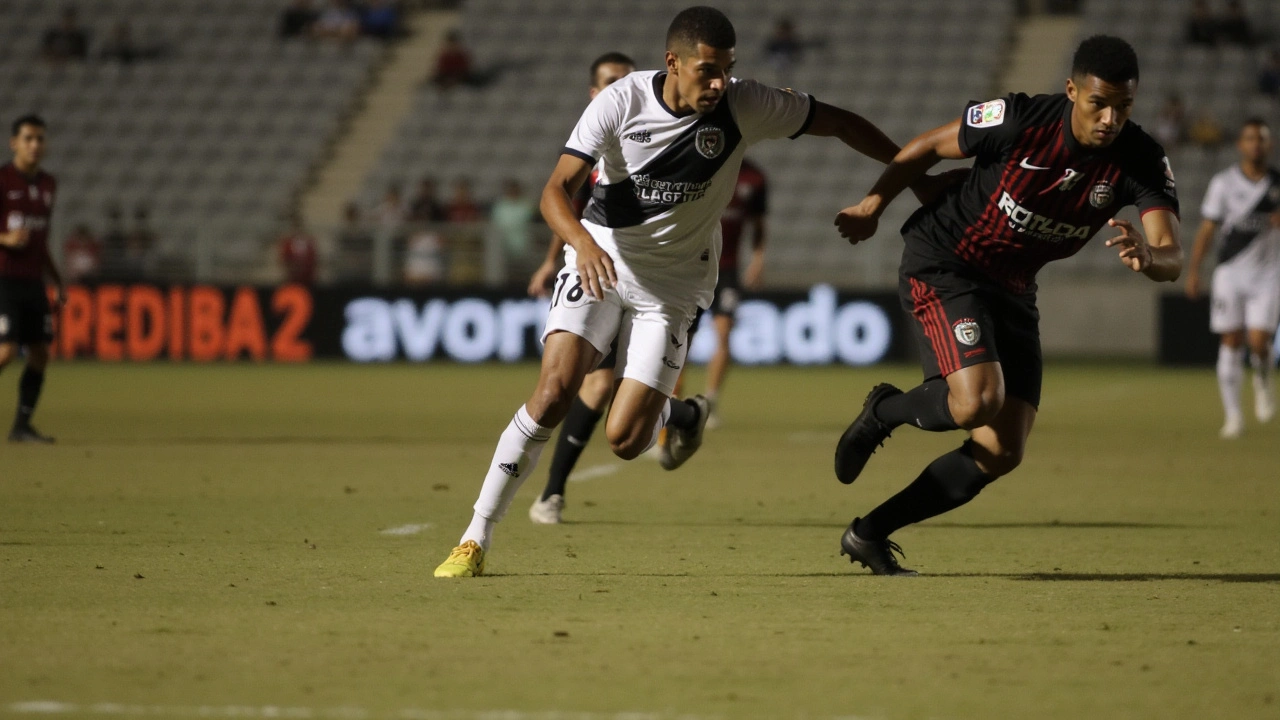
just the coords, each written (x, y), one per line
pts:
(664, 178)
(1243, 209)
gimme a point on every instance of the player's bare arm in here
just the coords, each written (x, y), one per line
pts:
(594, 264)
(1157, 255)
(1203, 242)
(859, 222)
(51, 269)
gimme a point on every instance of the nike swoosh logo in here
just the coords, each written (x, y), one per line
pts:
(1029, 166)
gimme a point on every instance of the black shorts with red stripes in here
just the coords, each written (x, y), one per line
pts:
(964, 319)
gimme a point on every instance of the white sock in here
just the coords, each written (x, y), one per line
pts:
(513, 461)
(663, 417)
(1230, 378)
(1261, 372)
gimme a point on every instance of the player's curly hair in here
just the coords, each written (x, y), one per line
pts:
(1106, 57)
(32, 119)
(700, 24)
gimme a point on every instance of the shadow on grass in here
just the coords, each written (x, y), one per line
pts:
(1265, 578)
(1048, 525)
(247, 440)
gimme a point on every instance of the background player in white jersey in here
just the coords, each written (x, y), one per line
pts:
(645, 256)
(1242, 207)
(597, 387)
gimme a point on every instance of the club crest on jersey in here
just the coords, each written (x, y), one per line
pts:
(709, 141)
(988, 114)
(967, 331)
(1102, 195)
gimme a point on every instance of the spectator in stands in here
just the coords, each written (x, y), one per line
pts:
(120, 46)
(114, 241)
(511, 217)
(1206, 131)
(67, 41)
(423, 258)
(296, 20)
(390, 214)
(453, 66)
(298, 254)
(380, 19)
(462, 206)
(1234, 27)
(140, 244)
(1269, 75)
(81, 255)
(783, 47)
(338, 22)
(1202, 26)
(355, 246)
(426, 207)
(1171, 124)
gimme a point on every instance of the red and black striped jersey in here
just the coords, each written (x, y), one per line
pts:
(26, 201)
(749, 204)
(1035, 194)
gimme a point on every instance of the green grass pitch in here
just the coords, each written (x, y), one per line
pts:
(211, 542)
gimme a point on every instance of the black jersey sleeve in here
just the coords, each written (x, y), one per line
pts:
(991, 127)
(1149, 180)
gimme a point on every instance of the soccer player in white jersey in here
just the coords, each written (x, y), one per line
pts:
(1242, 208)
(645, 256)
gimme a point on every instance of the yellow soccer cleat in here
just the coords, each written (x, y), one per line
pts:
(466, 560)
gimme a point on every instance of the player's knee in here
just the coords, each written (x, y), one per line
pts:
(550, 402)
(628, 442)
(38, 357)
(7, 352)
(977, 408)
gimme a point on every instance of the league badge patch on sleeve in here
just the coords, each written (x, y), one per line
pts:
(988, 114)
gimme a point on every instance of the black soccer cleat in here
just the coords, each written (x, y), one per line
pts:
(28, 434)
(874, 554)
(864, 435)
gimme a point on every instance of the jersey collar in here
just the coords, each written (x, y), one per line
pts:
(658, 81)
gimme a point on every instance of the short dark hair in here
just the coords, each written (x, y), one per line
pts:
(610, 58)
(31, 119)
(1106, 57)
(701, 24)
(1254, 121)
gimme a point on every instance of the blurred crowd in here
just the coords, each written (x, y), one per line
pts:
(122, 251)
(427, 239)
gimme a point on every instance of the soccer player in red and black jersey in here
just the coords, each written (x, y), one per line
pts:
(747, 209)
(597, 387)
(1050, 171)
(26, 318)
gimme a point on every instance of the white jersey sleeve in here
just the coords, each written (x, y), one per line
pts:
(1214, 205)
(597, 129)
(765, 113)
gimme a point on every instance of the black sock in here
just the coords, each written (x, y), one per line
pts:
(949, 482)
(924, 406)
(28, 395)
(574, 434)
(684, 414)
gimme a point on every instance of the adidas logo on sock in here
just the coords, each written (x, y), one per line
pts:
(512, 469)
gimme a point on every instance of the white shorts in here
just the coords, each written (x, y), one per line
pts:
(1244, 300)
(651, 325)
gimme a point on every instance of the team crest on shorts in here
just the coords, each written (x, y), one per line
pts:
(709, 141)
(967, 331)
(1102, 195)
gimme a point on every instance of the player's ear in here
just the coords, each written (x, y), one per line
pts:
(673, 62)
(1071, 89)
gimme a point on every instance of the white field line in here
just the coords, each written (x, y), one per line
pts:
(595, 471)
(412, 529)
(48, 708)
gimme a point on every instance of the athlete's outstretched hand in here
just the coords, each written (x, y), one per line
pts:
(596, 269)
(540, 283)
(1134, 250)
(857, 223)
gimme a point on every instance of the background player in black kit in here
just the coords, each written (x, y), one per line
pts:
(26, 319)
(1049, 172)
